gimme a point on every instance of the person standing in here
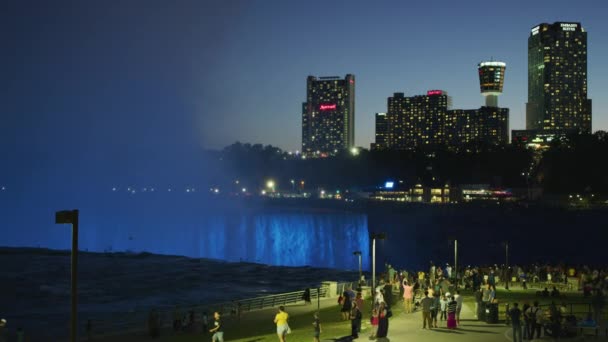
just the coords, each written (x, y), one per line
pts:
(306, 296)
(355, 321)
(218, 328)
(316, 325)
(2, 329)
(435, 309)
(347, 305)
(515, 314)
(408, 296)
(280, 320)
(478, 304)
(526, 322)
(443, 306)
(383, 315)
(459, 300)
(177, 318)
(452, 313)
(374, 321)
(597, 303)
(426, 303)
(534, 315)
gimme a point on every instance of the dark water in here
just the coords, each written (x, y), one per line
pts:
(417, 234)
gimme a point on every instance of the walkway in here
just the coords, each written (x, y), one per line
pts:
(402, 327)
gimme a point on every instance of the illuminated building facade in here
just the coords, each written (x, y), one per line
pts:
(328, 115)
(381, 132)
(557, 78)
(417, 121)
(486, 125)
(426, 121)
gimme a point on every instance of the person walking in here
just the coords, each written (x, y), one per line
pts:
(280, 320)
(515, 315)
(408, 296)
(218, 328)
(426, 304)
(316, 326)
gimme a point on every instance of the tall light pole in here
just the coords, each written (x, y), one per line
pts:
(455, 269)
(456, 260)
(63, 217)
(378, 236)
(507, 273)
(358, 253)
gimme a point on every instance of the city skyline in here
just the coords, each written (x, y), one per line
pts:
(142, 85)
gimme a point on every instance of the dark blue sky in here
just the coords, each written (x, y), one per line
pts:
(149, 83)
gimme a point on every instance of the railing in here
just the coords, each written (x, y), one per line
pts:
(579, 310)
(136, 321)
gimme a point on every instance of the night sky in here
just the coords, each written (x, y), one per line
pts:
(114, 87)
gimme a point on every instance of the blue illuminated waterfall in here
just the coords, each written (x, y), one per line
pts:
(278, 236)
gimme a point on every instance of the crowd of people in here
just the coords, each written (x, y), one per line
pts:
(436, 294)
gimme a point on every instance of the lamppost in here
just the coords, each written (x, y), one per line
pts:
(358, 253)
(455, 270)
(63, 217)
(507, 273)
(375, 236)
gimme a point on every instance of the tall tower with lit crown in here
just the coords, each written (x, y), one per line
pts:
(491, 80)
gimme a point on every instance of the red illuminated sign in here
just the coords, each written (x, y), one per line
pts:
(352, 81)
(434, 92)
(327, 107)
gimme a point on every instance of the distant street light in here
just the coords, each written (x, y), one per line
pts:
(374, 236)
(270, 185)
(64, 217)
(358, 253)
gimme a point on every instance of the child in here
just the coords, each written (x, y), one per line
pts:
(444, 306)
(316, 328)
(374, 320)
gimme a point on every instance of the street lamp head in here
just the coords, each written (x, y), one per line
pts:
(378, 236)
(357, 253)
(66, 216)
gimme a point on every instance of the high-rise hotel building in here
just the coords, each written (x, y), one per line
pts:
(557, 79)
(417, 121)
(328, 115)
(427, 121)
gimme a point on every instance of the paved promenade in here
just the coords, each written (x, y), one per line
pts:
(402, 327)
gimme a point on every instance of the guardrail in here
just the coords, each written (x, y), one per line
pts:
(579, 310)
(136, 321)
